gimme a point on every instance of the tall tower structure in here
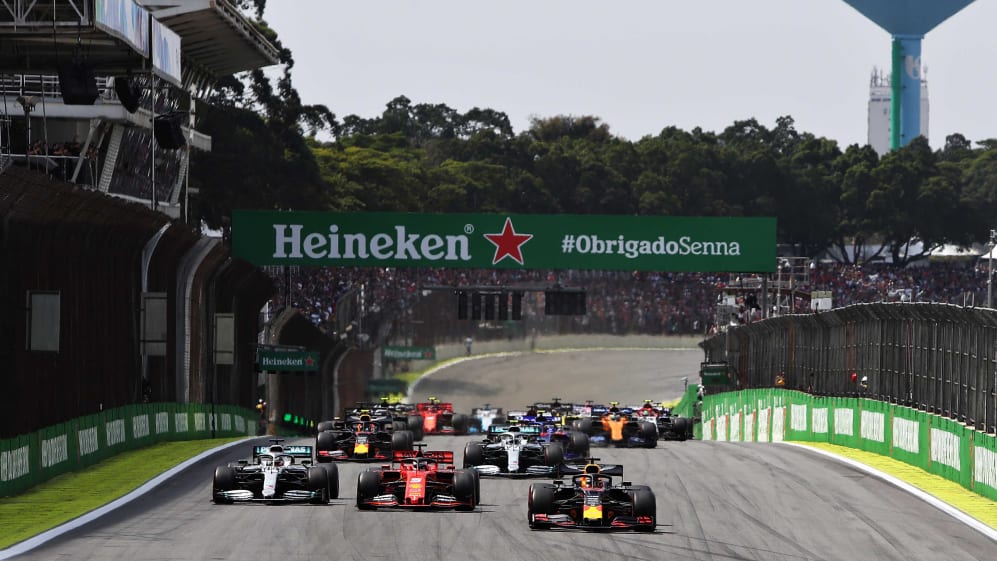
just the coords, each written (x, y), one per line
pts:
(880, 129)
(907, 21)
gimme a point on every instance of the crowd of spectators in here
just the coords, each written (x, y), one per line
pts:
(622, 302)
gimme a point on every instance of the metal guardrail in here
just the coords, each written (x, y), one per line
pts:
(939, 358)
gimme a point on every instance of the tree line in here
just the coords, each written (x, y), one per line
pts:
(266, 153)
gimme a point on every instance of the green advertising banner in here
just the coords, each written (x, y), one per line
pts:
(409, 353)
(714, 374)
(288, 361)
(505, 241)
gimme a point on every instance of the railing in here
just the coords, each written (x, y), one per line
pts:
(47, 86)
(59, 167)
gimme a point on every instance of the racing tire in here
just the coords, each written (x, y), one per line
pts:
(579, 444)
(401, 440)
(325, 441)
(644, 504)
(540, 501)
(318, 480)
(477, 485)
(398, 426)
(682, 427)
(415, 424)
(553, 455)
(324, 426)
(474, 454)
(368, 486)
(224, 480)
(332, 472)
(586, 426)
(649, 433)
(461, 423)
(463, 489)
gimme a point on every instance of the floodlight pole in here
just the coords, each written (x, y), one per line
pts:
(990, 268)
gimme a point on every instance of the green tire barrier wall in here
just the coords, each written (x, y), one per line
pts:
(28, 460)
(938, 445)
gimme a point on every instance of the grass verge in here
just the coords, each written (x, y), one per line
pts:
(71, 495)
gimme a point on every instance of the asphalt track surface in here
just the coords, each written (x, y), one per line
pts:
(716, 501)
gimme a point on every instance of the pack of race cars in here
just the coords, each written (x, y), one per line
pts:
(551, 440)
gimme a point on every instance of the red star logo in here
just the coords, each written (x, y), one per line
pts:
(508, 243)
(309, 362)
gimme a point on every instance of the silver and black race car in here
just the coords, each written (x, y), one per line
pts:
(276, 474)
(513, 451)
(591, 501)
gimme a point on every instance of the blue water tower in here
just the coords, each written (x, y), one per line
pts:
(907, 21)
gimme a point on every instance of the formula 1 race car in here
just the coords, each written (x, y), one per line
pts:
(592, 502)
(439, 418)
(670, 427)
(484, 417)
(620, 428)
(419, 480)
(512, 451)
(403, 415)
(361, 438)
(274, 477)
(575, 443)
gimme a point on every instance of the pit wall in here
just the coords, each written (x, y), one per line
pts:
(937, 445)
(30, 459)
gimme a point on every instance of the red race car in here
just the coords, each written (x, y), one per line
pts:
(421, 480)
(439, 418)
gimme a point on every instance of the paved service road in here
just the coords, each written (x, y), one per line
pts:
(716, 501)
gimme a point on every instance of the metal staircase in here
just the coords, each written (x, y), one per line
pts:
(111, 158)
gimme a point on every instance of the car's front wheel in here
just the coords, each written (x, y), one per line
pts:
(318, 481)
(224, 480)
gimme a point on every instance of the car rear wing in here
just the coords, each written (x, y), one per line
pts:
(482, 410)
(296, 451)
(445, 456)
(521, 429)
(445, 407)
(604, 469)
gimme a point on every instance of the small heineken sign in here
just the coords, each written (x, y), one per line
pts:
(714, 374)
(409, 353)
(288, 361)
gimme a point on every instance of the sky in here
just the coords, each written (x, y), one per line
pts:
(638, 65)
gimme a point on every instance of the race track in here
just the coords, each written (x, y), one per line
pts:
(716, 501)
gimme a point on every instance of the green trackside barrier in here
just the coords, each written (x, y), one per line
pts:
(28, 460)
(908, 440)
(844, 422)
(948, 450)
(938, 445)
(985, 465)
(873, 426)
